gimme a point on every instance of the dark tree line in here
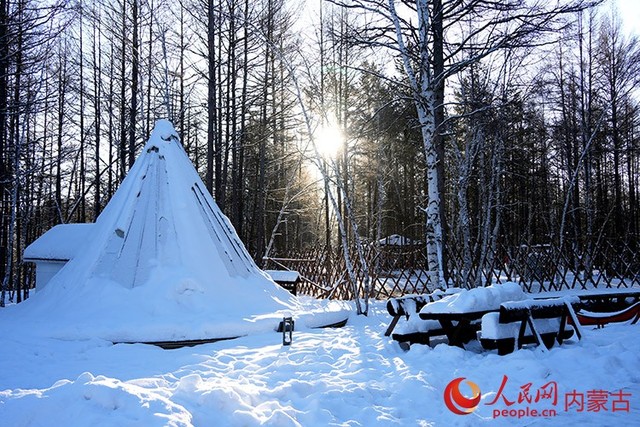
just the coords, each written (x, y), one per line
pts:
(536, 141)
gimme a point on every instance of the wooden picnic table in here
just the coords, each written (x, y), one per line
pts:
(460, 327)
(464, 329)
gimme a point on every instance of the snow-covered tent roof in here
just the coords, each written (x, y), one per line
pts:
(60, 243)
(163, 263)
(162, 217)
(398, 240)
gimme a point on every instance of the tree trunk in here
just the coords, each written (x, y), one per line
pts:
(82, 176)
(438, 114)
(211, 96)
(123, 102)
(97, 95)
(424, 99)
(135, 58)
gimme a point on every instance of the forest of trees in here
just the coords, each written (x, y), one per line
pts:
(470, 124)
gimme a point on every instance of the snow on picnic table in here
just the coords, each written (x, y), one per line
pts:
(353, 376)
(477, 299)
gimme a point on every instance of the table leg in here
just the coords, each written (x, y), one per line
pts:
(455, 333)
(448, 328)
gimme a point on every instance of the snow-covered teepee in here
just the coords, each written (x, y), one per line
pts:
(162, 263)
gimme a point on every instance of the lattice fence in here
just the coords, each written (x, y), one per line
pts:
(402, 270)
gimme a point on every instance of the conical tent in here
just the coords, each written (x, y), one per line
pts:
(163, 217)
(162, 262)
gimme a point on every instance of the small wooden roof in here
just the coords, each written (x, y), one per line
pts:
(283, 276)
(60, 243)
(398, 240)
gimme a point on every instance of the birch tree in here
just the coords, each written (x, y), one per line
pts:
(428, 41)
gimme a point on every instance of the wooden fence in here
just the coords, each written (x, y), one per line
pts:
(395, 271)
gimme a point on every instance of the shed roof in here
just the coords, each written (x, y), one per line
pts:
(286, 276)
(398, 240)
(61, 243)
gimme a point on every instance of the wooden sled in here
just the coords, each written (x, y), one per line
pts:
(599, 319)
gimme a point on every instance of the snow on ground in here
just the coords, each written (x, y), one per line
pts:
(353, 376)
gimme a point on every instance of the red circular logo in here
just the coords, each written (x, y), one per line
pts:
(456, 402)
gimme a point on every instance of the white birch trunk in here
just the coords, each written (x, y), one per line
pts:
(361, 257)
(343, 232)
(358, 242)
(433, 224)
(424, 99)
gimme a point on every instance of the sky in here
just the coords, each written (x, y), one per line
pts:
(630, 12)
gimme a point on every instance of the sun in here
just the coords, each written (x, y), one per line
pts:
(329, 141)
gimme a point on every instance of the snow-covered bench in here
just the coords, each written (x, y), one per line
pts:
(404, 306)
(415, 330)
(532, 321)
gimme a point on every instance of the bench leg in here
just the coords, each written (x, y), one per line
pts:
(506, 346)
(392, 325)
(523, 328)
(574, 320)
(534, 331)
(563, 323)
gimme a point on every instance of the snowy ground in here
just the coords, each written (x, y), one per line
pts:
(351, 376)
